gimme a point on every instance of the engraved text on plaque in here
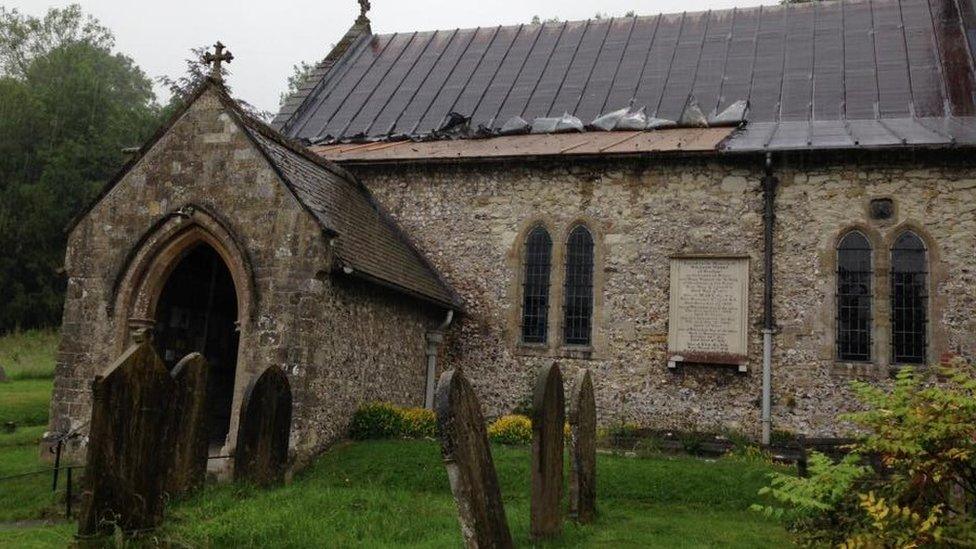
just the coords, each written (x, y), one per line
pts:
(709, 310)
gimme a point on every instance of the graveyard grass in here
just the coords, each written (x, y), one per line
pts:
(28, 359)
(396, 493)
(392, 493)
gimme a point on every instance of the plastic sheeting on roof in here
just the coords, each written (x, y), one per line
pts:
(564, 124)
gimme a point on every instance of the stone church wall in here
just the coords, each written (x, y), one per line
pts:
(341, 342)
(471, 219)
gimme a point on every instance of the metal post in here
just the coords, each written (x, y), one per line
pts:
(67, 495)
(57, 465)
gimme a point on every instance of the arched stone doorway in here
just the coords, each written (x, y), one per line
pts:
(159, 275)
(197, 311)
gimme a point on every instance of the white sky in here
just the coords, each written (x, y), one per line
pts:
(268, 37)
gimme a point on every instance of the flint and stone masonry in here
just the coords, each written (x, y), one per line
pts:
(470, 219)
(334, 336)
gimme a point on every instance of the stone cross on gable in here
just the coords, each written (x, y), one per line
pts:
(219, 56)
(363, 8)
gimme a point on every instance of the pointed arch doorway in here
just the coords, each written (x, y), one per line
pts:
(197, 311)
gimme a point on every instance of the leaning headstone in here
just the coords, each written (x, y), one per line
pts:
(265, 426)
(582, 471)
(129, 445)
(467, 456)
(548, 419)
(191, 437)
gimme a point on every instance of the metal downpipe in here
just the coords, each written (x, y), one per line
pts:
(769, 184)
(434, 340)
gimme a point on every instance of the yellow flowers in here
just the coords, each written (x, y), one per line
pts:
(511, 429)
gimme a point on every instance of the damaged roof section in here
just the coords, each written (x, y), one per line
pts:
(602, 144)
(796, 63)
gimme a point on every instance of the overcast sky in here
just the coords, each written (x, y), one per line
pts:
(268, 37)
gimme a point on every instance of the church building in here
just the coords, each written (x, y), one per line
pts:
(726, 216)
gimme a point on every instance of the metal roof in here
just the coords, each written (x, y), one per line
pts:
(887, 133)
(679, 140)
(825, 62)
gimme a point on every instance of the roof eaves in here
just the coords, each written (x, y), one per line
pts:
(456, 304)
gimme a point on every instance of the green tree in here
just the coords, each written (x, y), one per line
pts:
(68, 106)
(299, 74)
(181, 87)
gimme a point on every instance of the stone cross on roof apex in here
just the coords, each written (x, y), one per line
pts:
(215, 59)
(364, 6)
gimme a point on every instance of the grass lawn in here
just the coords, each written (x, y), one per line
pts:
(28, 359)
(29, 354)
(27, 497)
(385, 493)
(396, 493)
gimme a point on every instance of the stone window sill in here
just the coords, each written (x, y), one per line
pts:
(532, 349)
(849, 369)
(580, 352)
(576, 351)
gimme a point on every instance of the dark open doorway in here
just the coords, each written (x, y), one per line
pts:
(197, 312)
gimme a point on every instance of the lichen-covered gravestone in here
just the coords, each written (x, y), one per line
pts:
(262, 437)
(467, 456)
(191, 439)
(129, 445)
(582, 471)
(548, 418)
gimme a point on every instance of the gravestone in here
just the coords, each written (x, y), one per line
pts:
(3, 375)
(191, 437)
(265, 426)
(129, 445)
(582, 455)
(467, 456)
(548, 419)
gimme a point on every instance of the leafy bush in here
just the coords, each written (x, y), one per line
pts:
(376, 420)
(623, 435)
(383, 420)
(921, 430)
(819, 509)
(511, 429)
(419, 423)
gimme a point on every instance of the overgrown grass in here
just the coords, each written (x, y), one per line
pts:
(29, 354)
(25, 402)
(395, 493)
(385, 493)
(28, 359)
(27, 497)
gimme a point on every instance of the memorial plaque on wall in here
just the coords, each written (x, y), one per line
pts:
(709, 312)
